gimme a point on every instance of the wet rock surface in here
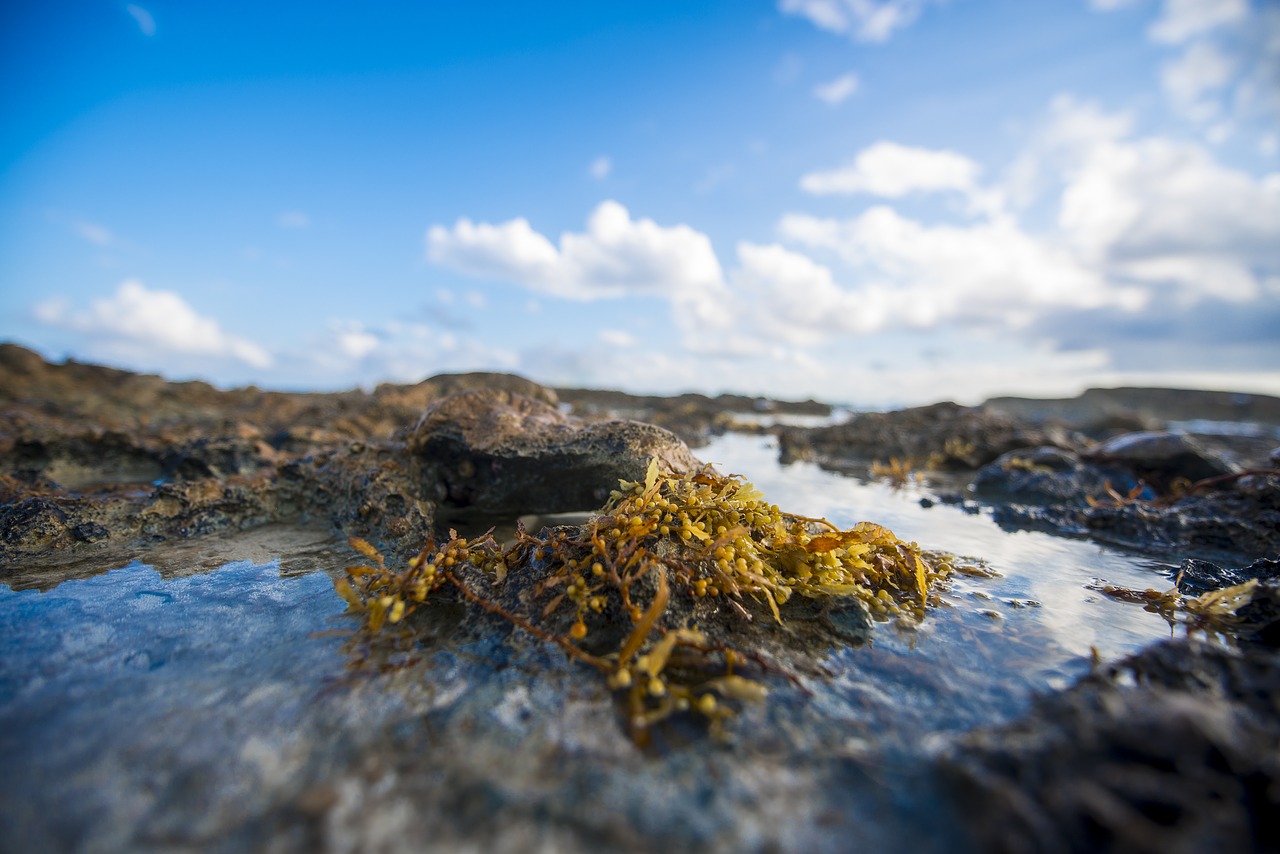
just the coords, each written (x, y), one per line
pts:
(1157, 492)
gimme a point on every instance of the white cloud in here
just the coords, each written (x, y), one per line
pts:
(989, 272)
(293, 219)
(1142, 223)
(1056, 148)
(863, 20)
(1161, 210)
(142, 17)
(92, 232)
(1182, 20)
(353, 340)
(511, 250)
(600, 167)
(1201, 69)
(793, 297)
(350, 353)
(891, 170)
(615, 256)
(155, 323)
(618, 338)
(836, 91)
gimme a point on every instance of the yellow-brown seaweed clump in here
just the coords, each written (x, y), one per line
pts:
(661, 553)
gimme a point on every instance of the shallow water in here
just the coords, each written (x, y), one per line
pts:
(200, 699)
(997, 641)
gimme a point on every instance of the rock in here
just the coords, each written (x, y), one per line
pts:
(1161, 458)
(1171, 750)
(1200, 576)
(1048, 476)
(943, 435)
(1259, 620)
(695, 418)
(1239, 520)
(1242, 518)
(1076, 495)
(1099, 406)
(508, 453)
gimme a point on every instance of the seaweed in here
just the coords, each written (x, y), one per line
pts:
(624, 593)
(1217, 612)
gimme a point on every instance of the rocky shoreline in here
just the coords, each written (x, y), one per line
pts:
(1171, 749)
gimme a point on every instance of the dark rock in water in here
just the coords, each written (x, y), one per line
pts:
(1200, 576)
(506, 452)
(1259, 620)
(1048, 476)
(1242, 517)
(1126, 491)
(1171, 750)
(1161, 458)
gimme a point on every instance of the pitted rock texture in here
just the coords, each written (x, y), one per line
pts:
(506, 452)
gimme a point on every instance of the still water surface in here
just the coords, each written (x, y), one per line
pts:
(131, 666)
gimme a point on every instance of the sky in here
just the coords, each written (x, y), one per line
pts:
(869, 202)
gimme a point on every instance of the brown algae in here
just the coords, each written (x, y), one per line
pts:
(626, 592)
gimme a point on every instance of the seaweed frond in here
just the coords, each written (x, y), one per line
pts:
(621, 593)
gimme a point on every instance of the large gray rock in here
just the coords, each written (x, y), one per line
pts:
(504, 452)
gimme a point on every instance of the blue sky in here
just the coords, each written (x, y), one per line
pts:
(867, 201)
